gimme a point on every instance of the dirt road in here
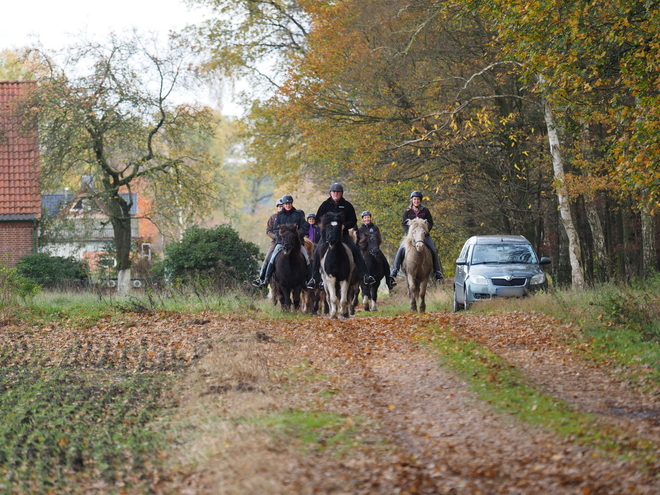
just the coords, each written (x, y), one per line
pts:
(416, 427)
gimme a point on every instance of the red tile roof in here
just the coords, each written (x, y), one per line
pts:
(19, 156)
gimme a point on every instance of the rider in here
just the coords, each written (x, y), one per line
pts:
(368, 227)
(314, 233)
(417, 210)
(270, 232)
(287, 215)
(336, 203)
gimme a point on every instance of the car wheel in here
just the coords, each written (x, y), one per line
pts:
(466, 304)
(457, 307)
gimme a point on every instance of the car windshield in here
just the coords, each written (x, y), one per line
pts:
(503, 253)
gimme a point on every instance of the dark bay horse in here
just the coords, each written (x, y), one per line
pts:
(337, 265)
(290, 269)
(417, 263)
(372, 257)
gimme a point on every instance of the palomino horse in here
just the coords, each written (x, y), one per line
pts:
(417, 263)
(337, 265)
(371, 253)
(290, 268)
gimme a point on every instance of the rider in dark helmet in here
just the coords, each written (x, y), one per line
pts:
(417, 210)
(287, 215)
(338, 204)
(270, 232)
(368, 227)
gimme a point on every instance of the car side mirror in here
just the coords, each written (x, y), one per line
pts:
(461, 261)
(545, 260)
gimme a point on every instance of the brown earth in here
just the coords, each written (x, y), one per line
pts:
(420, 429)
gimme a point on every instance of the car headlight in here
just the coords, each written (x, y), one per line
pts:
(478, 280)
(537, 279)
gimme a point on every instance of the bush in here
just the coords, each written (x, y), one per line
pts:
(52, 271)
(14, 286)
(218, 252)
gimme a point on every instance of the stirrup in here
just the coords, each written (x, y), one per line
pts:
(368, 279)
(439, 276)
(258, 283)
(311, 284)
(392, 283)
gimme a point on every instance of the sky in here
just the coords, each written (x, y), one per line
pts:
(58, 23)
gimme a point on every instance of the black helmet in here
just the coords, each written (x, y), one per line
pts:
(279, 202)
(337, 187)
(365, 213)
(287, 198)
(311, 215)
(416, 194)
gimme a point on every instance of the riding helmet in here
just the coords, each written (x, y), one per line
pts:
(287, 198)
(417, 194)
(337, 187)
(365, 213)
(311, 215)
(279, 202)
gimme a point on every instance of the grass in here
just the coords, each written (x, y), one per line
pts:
(503, 387)
(315, 430)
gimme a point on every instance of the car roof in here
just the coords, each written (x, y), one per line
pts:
(496, 239)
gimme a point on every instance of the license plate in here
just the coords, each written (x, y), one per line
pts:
(510, 291)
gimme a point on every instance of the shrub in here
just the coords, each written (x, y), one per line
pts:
(218, 252)
(52, 271)
(14, 286)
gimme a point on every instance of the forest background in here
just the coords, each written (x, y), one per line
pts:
(533, 118)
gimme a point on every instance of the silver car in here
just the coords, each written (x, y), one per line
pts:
(497, 265)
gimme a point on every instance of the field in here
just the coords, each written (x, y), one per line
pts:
(207, 393)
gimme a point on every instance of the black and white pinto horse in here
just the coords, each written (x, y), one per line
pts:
(372, 257)
(337, 265)
(417, 263)
(290, 269)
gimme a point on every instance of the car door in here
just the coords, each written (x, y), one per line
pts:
(461, 272)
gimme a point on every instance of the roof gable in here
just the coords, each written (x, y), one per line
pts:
(19, 157)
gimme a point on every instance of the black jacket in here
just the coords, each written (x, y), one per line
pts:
(341, 206)
(296, 217)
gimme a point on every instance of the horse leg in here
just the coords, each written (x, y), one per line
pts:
(331, 296)
(296, 298)
(374, 297)
(343, 302)
(422, 296)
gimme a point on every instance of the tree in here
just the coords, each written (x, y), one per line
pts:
(106, 110)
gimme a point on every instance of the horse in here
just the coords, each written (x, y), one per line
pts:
(289, 277)
(337, 265)
(417, 263)
(371, 253)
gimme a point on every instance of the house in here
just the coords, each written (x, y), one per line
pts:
(20, 202)
(78, 225)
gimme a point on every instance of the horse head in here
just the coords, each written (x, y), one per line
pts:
(290, 238)
(371, 244)
(417, 232)
(333, 225)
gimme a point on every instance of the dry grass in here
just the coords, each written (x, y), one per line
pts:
(219, 451)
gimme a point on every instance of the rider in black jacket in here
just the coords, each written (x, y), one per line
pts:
(338, 204)
(287, 215)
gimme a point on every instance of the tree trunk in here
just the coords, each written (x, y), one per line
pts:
(120, 217)
(649, 254)
(603, 263)
(574, 250)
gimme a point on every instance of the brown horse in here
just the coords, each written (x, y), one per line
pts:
(417, 263)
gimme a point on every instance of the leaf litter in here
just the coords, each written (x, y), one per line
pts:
(421, 429)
